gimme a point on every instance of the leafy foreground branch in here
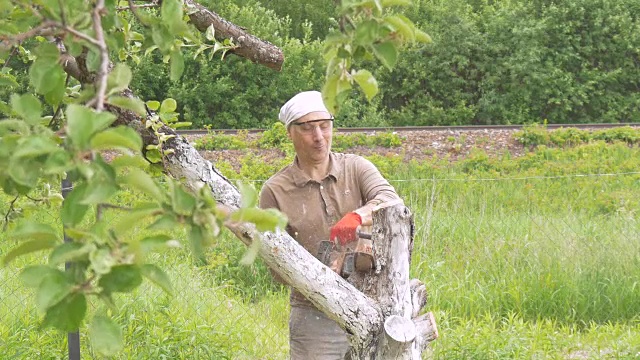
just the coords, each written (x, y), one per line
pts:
(107, 257)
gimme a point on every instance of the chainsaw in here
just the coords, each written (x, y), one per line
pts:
(346, 259)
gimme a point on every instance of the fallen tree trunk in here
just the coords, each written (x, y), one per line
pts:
(382, 318)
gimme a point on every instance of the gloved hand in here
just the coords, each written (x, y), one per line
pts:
(344, 230)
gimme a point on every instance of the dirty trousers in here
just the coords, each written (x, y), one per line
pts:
(313, 336)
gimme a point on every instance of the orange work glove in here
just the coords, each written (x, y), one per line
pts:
(344, 230)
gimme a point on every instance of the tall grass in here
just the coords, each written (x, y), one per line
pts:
(535, 257)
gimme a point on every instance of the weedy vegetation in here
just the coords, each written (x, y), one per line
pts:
(529, 257)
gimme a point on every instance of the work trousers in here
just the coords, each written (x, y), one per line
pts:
(313, 336)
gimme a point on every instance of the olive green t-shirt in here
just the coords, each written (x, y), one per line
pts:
(314, 207)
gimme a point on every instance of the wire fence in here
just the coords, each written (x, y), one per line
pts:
(525, 245)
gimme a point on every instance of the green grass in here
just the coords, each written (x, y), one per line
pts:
(535, 257)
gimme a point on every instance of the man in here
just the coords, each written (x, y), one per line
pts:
(325, 195)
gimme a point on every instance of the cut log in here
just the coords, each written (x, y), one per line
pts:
(427, 331)
(418, 296)
(400, 333)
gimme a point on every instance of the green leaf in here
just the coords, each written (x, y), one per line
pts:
(73, 210)
(423, 37)
(387, 53)
(153, 105)
(171, 13)
(403, 26)
(11, 126)
(121, 278)
(47, 51)
(180, 124)
(121, 137)
(343, 86)
(132, 220)
(101, 260)
(252, 253)
(53, 288)
(119, 79)
(35, 145)
(134, 104)
(83, 123)
(153, 155)
(249, 195)
(164, 222)
(28, 247)
(198, 244)
(93, 59)
(367, 83)
(48, 79)
(264, 219)
(210, 34)
(57, 92)
(162, 37)
(24, 171)
(157, 276)
(182, 201)
(71, 251)
(366, 32)
(169, 105)
(32, 276)
(28, 107)
(140, 180)
(105, 335)
(151, 243)
(98, 192)
(7, 81)
(67, 315)
(177, 65)
(129, 161)
(74, 47)
(35, 231)
(58, 162)
(330, 91)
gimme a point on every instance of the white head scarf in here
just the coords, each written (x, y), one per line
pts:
(300, 105)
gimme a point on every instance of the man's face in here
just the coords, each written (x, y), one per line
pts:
(311, 136)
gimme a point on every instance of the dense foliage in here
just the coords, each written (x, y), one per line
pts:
(508, 62)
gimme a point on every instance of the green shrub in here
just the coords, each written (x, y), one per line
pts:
(217, 140)
(257, 169)
(532, 135)
(342, 142)
(569, 137)
(387, 139)
(625, 134)
(477, 162)
(275, 137)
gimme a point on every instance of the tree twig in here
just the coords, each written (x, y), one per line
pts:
(6, 216)
(135, 12)
(101, 79)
